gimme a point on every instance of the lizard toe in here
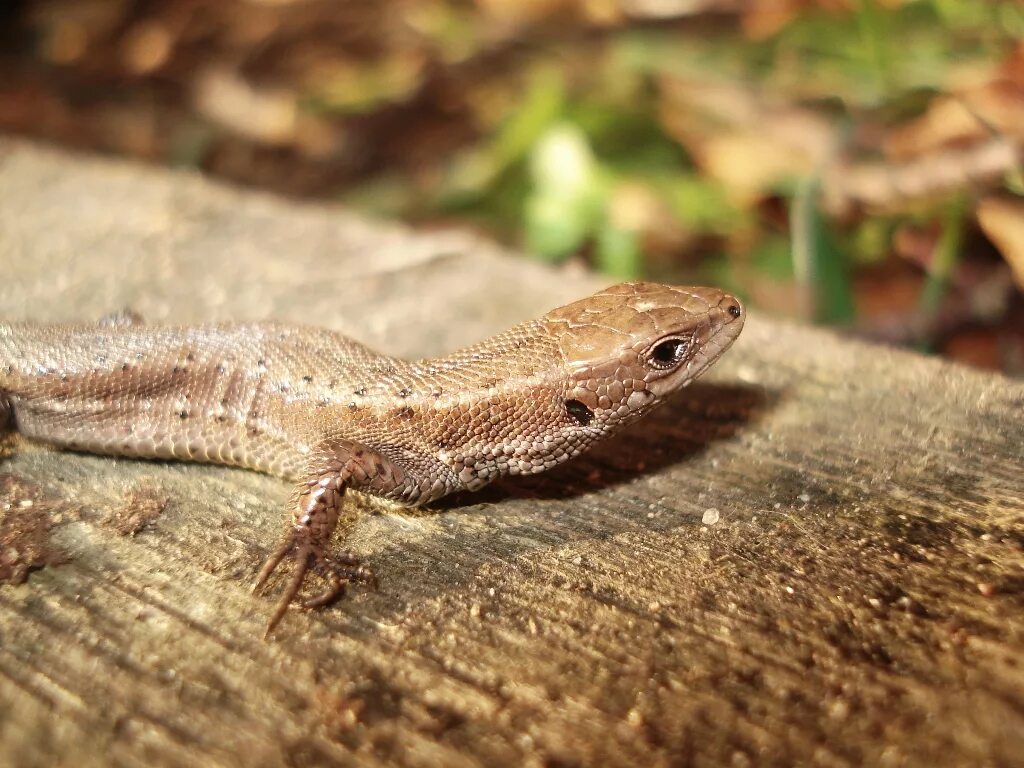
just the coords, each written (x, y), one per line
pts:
(338, 570)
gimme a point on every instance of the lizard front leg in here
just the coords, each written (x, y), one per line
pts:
(317, 510)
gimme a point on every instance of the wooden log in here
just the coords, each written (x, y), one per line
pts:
(812, 557)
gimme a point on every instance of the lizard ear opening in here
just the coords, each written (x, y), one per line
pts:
(578, 412)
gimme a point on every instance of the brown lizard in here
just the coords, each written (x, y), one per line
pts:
(330, 414)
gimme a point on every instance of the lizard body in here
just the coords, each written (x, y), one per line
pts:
(328, 413)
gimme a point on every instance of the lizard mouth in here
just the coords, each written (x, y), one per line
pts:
(718, 342)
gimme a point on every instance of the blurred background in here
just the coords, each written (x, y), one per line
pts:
(847, 162)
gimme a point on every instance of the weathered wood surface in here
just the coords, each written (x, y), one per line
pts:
(858, 601)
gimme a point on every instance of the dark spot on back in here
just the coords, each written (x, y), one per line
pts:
(404, 413)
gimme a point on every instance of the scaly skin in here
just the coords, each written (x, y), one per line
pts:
(323, 410)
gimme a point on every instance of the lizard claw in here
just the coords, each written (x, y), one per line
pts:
(338, 570)
(350, 567)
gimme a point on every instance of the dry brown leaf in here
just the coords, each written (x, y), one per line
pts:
(267, 116)
(748, 164)
(1000, 105)
(146, 47)
(744, 141)
(674, 9)
(1002, 221)
(518, 13)
(995, 108)
(947, 120)
(893, 186)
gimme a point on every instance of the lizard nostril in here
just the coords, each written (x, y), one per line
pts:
(734, 310)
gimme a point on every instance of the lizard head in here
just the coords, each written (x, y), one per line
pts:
(630, 346)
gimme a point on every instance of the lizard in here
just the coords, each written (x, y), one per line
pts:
(328, 413)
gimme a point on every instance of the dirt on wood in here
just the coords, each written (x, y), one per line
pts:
(140, 509)
(26, 516)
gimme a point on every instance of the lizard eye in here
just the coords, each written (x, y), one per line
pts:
(668, 353)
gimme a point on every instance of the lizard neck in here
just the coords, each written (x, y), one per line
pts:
(524, 353)
(501, 408)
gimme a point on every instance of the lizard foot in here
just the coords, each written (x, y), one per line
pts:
(338, 569)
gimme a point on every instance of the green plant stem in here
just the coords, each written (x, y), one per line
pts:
(947, 255)
(875, 39)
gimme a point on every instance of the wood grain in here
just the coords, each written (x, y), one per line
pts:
(814, 557)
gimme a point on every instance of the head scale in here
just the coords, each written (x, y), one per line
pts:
(631, 345)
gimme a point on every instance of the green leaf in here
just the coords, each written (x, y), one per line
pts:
(874, 32)
(474, 173)
(773, 259)
(542, 105)
(567, 194)
(554, 230)
(618, 253)
(700, 203)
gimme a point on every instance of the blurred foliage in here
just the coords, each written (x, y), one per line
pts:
(854, 162)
